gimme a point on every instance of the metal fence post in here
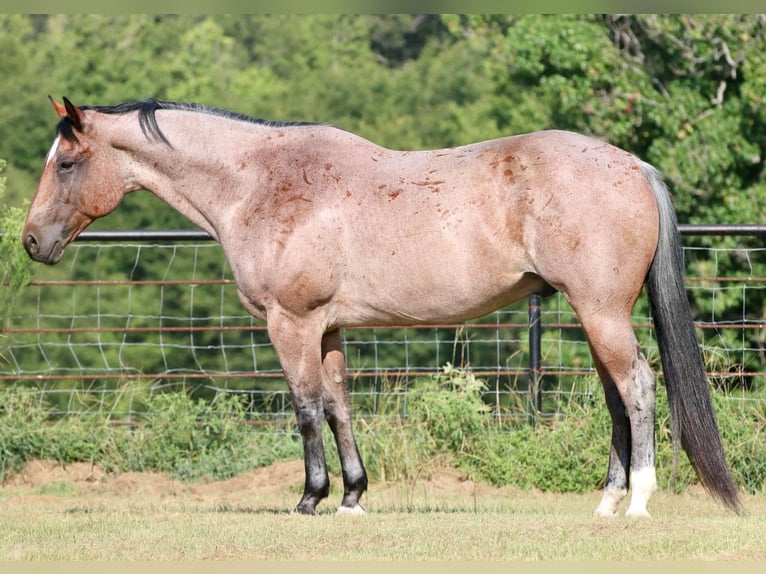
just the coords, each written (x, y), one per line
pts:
(535, 354)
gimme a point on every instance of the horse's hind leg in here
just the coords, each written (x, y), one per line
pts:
(630, 392)
(337, 407)
(616, 486)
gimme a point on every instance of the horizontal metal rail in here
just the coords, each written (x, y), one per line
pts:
(750, 229)
(382, 372)
(263, 328)
(118, 235)
(109, 235)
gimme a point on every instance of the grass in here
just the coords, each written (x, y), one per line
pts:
(201, 500)
(405, 522)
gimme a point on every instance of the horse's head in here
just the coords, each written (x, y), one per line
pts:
(79, 184)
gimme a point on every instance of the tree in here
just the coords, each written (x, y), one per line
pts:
(682, 92)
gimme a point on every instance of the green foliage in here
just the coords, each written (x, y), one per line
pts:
(405, 451)
(14, 263)
(189, 439)
(684, 92)
(449, 409)
(27, 431)
(22, 430)
(566, 454)
(182, 437)
(446, 424)
(743, 429)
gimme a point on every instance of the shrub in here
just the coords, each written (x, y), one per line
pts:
(14, 264)
(190, 439)
(22, 430)
(567, 454)
(449, 408)
(393, 447)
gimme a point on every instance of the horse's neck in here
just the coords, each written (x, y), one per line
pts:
(198, 180)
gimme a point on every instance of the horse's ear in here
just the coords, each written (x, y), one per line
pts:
(68, 110)
(60, 110)
(74, 114)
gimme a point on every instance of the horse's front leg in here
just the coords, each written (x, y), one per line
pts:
(298, 346)
(337, 406)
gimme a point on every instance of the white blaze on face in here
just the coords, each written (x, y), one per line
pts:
(54, 147)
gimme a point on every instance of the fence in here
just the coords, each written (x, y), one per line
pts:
(129, 314)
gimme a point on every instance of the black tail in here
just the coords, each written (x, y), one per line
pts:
(691, 411)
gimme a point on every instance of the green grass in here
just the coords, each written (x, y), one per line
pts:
(405, 522)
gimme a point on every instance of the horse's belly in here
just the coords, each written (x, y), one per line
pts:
(428, 301)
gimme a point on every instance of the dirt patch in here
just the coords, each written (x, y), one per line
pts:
(277, 486)
(88, 478)
(43, 472)
(275, 479)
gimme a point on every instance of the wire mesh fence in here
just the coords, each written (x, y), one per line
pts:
(126, 316)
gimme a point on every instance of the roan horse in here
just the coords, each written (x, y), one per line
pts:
(325, 230)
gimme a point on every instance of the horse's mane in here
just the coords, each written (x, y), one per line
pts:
(148, 120)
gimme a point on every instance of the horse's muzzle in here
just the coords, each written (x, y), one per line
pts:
(34, 249)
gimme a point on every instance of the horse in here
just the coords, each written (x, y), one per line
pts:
(325, 230)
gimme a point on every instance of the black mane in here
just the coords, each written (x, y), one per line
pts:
(148, 120)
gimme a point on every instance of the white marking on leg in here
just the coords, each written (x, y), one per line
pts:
(609, 502)
(54, 147)
(643, 483)
(356, 510)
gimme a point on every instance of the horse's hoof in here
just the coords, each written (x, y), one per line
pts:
(638, 513)
(355, 510)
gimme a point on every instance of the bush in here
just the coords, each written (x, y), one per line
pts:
(22, 431)
(450, 410)
(392, 447)
(568, 454)
(14, 264)
(190, 439)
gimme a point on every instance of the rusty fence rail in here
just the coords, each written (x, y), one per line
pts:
(139, 312)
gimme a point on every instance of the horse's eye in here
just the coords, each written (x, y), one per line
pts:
(66, 166)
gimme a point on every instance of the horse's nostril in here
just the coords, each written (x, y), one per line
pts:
(30, 244)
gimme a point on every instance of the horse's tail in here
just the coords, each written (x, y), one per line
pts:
(692, 418)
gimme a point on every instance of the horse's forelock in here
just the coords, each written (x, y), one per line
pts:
(66, 130)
